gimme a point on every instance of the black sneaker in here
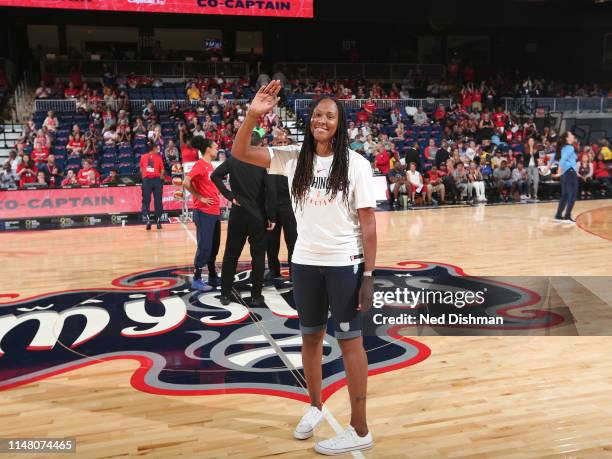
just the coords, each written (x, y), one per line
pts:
(213, 280)
(159, 224)
(148, 226)
(257, 300)
(558, 219)
(270, 275)
(225, 299)
(568, 220)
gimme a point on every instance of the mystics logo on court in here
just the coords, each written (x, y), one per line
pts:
(187, 342)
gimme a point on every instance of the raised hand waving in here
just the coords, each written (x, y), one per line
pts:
(265, 99)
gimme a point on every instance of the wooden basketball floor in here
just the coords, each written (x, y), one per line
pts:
(536, 395)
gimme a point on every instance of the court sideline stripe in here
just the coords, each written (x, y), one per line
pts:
(329, 417)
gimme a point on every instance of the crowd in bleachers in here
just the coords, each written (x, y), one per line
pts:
(470, 150)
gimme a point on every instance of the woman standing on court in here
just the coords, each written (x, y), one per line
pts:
(566, 155)
(332, 194)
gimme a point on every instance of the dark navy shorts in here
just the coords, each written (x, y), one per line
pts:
(319, 289)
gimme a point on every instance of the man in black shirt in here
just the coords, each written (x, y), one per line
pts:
(285, 219)
(412, 156)
(251, 215)
(442, 155)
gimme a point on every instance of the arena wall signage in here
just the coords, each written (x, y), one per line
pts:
(276, 8)
(78, 201)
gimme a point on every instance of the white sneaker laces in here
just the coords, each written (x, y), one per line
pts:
(340, 439)
(311, 416)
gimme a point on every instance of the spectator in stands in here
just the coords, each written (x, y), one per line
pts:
(123, 132)
(42, 92)
(70, 180)
(198, 130)
(601, 174)
(370, 109)
(88, 175)
(358, 145)
(14, 158)
(382, 160)
(139, 130)
(108, 120)
(415, 180)
(398, 183)
(110, 136)
(29, 132)
(26, 171)
(442, 154)
(95, 116)
(435, 185)
(51, 171)
(420, 117)
(112, 179)
(585, 177)
(108, 76)
(93, 141)
(8, 179)
(175, 113)
(430, 150)
(605, 149)
(530, 157)
(149, 112)
(476, 183)
(193, 93)
(412, 155)
(263, 79)
(84, 91)
(51, 122)
(71, 92)
(520, 181)
(39, 153)
(41, 179)
(503, 179)
(95, 98)
(171, 153)
(399, 131)
(461, 180)
(75, 146)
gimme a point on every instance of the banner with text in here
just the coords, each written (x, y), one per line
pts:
(277, 8)
(79, 201)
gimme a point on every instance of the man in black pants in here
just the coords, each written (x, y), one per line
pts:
(248, 218)
(283, 218)
(152, 171)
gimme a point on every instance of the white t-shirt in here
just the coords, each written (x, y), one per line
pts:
(329, 233)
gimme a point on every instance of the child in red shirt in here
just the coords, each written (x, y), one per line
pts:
(88, 175)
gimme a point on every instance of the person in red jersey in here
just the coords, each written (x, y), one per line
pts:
(206, 209)
(151, 171)
(88, 175)
(112, 179)
(40, 153)
(383, 161)
(500, 118)
(26, 171)
(188, 154)
(70, 180)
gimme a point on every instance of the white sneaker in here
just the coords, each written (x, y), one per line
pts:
(306, 426)
(345, 442)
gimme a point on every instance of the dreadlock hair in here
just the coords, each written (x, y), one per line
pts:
(338, 180)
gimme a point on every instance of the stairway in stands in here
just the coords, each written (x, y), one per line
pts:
(8, 139)
(290, 122)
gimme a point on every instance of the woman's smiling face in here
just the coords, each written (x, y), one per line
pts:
(324, 121)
